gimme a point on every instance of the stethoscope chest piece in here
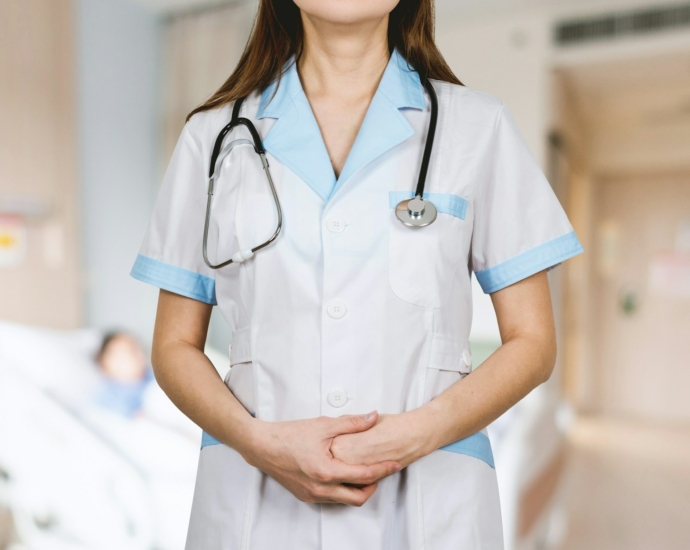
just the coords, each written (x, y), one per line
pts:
(416, 212)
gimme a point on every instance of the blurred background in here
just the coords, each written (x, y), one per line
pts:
(93, 95)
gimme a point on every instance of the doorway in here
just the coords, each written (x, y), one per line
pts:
(625, 126)
(626, 129)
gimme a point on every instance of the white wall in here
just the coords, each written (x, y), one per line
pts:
(119, 59)
(504, 55)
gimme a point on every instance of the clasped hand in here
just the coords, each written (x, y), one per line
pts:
(334, 460)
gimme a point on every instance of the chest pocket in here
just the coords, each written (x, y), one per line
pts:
(423, 260)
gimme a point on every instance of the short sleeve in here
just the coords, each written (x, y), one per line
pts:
(520, 227)
(171, 254)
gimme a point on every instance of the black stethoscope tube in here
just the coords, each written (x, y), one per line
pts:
(236, 120)
(415, 212)
(259, 148)
(431, 134)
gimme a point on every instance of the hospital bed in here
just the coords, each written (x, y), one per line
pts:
(75, 482)
(79, 478)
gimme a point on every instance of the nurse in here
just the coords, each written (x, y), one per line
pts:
(351, 418)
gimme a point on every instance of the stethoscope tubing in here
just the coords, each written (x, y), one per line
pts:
(431, 134)
(217, 158)
(219, 154)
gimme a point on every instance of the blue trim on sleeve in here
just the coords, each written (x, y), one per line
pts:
(528, 263)
(477, 446)
(445, 203)
(175, 279)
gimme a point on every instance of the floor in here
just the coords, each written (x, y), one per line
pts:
(629, 486)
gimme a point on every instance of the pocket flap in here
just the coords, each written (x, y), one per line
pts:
(445, 203)
(241, 346)
(450, 354)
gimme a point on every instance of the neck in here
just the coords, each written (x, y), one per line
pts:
(343, 59)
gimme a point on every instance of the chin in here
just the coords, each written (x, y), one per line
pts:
(346, 12)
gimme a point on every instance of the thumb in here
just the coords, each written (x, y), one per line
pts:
(354, 423)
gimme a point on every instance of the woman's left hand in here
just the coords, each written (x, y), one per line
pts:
(403, 438)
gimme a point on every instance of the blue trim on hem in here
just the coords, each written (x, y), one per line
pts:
(207, 440)
(477, 446)
(175, 279)
(541, 257)
(445, 203)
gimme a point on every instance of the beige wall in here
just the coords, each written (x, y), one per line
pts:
(37, 158)
(201, 51)
(575, 347)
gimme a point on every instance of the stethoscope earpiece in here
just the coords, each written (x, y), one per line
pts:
(416, 212)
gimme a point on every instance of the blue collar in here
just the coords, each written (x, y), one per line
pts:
(295, 139)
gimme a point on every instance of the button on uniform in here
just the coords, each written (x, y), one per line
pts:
(467, 357)
(336, 309)
(336, 398)
(335, 224)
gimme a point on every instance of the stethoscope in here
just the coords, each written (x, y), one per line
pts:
(414, 212)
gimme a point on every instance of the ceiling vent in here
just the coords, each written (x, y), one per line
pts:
(614, 25)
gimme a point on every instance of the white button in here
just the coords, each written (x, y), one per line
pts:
(467, 357)
(336, 398)
(335, 224)
(336, 309)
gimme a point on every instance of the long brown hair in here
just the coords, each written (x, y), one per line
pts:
(277, 35)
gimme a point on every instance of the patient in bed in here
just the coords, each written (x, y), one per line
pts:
(125, 374)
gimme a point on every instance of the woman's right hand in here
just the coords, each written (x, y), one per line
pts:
(298, 455)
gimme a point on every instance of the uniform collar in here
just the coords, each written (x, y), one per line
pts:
(295, 138)
(399, 83)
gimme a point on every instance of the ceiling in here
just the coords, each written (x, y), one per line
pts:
(636, 113)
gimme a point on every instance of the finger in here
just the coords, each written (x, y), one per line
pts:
(352, 424)
(359, 474)
(354, 496)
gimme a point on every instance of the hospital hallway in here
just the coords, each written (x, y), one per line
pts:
(629, 486)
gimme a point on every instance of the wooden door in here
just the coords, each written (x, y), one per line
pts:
(642, 311)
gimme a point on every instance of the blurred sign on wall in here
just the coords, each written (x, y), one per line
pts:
(669, 274)
(12, 240)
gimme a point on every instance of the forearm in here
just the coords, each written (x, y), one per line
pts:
(296, 454)
(191, 382)
(463, 409)
(469, 405)
(526, 359)
(188, 377)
